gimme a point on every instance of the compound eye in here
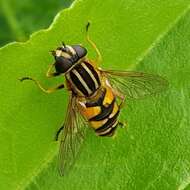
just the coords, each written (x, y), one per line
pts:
(62, 64)
(80, 51)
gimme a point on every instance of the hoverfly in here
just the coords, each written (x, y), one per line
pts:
(96, 95)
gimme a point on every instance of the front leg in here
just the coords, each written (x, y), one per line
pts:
(48, 90)
(50, 74)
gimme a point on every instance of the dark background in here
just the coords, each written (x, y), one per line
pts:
(19, 19)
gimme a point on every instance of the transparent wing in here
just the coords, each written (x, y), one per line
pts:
(72, 136)
(135, 84)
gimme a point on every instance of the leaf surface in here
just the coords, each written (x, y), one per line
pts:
(153, 152)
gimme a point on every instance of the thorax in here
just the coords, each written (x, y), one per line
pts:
(84, 79)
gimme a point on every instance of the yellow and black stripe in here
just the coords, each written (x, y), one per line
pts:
(84, 78)
(102, 113)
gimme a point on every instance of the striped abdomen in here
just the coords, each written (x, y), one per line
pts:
(84, 79)
(102, 113)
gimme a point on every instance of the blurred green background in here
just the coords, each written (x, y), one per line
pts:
(19, 19)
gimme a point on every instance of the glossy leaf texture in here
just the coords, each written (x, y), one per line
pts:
(152, 152)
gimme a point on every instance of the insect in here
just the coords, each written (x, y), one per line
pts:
(96, 95)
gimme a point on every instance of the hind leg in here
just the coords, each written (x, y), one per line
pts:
(58, 133)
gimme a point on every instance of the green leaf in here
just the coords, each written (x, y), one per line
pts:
(153, 153)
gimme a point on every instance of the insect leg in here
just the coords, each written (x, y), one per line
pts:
(58, 133)
(99, 57)
(120, 124)
(48, 91)
(50, 74)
